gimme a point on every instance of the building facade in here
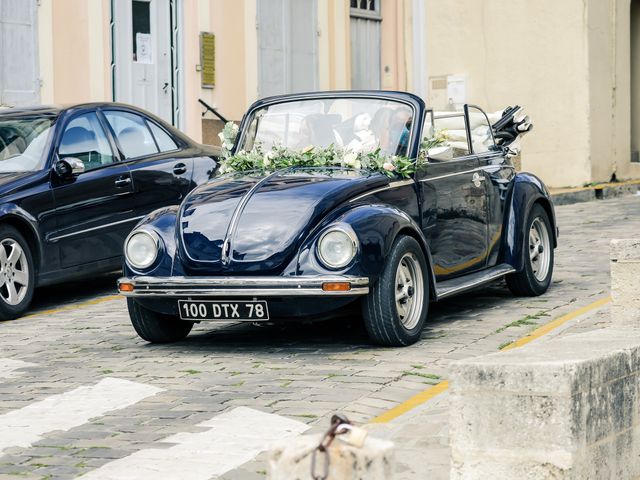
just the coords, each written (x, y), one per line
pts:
(572, 64)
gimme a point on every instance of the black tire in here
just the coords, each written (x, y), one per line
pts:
(8, 272)
(526, 283)
(156, 327)
(382, 319)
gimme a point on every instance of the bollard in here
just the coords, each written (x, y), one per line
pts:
(291, 460)
(625, 282)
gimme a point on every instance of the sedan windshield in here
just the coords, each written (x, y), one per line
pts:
(355, 124)
(22, 143)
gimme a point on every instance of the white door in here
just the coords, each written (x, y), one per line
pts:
(287, 45)
(19, 83)
(365, 44)
(142, 55)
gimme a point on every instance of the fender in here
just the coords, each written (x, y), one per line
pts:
(13, 214)
(526, 189)
(162, 222)
(377, 227)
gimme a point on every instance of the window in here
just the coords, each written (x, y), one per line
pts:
(141, 28)
(481, 133)
(23, 142)
(85, 139)
(446, 138)
(366, 5)
(132, 134)
(164, 141)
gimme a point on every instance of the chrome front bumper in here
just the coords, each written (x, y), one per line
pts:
(240, 286)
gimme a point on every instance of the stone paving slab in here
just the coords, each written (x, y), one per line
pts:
(304, 372)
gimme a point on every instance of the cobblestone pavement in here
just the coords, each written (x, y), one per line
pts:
(191, 391)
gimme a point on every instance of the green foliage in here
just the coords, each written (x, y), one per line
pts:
(330, 157)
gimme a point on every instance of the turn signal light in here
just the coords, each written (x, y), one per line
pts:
(125, 287)
(336, 287)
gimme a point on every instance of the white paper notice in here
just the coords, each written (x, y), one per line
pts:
(143, 48)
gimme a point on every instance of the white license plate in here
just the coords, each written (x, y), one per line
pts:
(255, 310)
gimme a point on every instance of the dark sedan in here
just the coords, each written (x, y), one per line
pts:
(74, 181)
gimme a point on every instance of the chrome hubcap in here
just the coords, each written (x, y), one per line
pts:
(14, 272)
(539, 249)
(409, 290)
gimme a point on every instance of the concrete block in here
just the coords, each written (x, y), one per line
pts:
(566, 408)
(291, 459)
(625, 282)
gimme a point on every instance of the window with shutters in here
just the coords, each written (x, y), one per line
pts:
(365, 44)
(19, 82)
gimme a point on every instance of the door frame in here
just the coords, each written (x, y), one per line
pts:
(176, 38)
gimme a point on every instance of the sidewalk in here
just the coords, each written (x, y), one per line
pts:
(601, 191)
(422, 434)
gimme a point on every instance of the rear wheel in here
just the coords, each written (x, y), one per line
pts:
(535, 278)
(156, 327)
(396, 308)
(17, 273)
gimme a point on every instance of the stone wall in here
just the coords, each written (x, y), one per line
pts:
(566, 408)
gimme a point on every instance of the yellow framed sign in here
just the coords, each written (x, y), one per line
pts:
(208, 59)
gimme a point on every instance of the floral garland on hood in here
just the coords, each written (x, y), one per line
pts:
(279, 157)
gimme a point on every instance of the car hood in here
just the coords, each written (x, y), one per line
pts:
(10, 180)
(255, 223)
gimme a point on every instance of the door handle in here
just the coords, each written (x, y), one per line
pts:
(122, 182)
(477, 179)
(179, 168)
(165, 87)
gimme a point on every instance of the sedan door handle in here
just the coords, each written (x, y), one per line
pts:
(122, 182)
(179, 168)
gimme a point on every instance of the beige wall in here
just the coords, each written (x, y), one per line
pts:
(334, 45)
(530, 53)
(395, 44)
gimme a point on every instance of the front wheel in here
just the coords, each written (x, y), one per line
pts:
(535, 278)
(17, 274)
(396, 308)
(156, 327)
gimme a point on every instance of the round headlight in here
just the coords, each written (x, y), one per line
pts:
(337, 248)
(141, 249)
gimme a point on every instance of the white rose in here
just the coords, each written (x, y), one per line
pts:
(235, 127)
(357, 165)
(270, 155)
(350, 159)
(390, 167)
(307, 149)
(221, 137)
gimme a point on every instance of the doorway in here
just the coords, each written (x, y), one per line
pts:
(365, 44)
(287, 46)
(145, 63)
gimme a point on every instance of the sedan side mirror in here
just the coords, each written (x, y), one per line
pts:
(69, 167)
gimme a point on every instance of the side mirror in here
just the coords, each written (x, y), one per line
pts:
(69, 167)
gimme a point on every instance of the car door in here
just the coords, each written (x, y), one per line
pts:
(94, 210)
(498, 171)
(454, 203)
(161, 175)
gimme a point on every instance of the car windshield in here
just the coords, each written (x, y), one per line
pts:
(355, 124)
(22, 143)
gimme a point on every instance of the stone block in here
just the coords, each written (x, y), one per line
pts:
(625, 282)
(291, 459)
(566, 408)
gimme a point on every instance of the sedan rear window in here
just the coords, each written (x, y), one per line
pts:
(23, 142)
(132, 134)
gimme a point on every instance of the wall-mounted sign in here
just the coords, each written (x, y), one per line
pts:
(208, 59)
(143, 48)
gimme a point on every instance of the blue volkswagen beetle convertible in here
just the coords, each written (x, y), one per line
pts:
(336, 199)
